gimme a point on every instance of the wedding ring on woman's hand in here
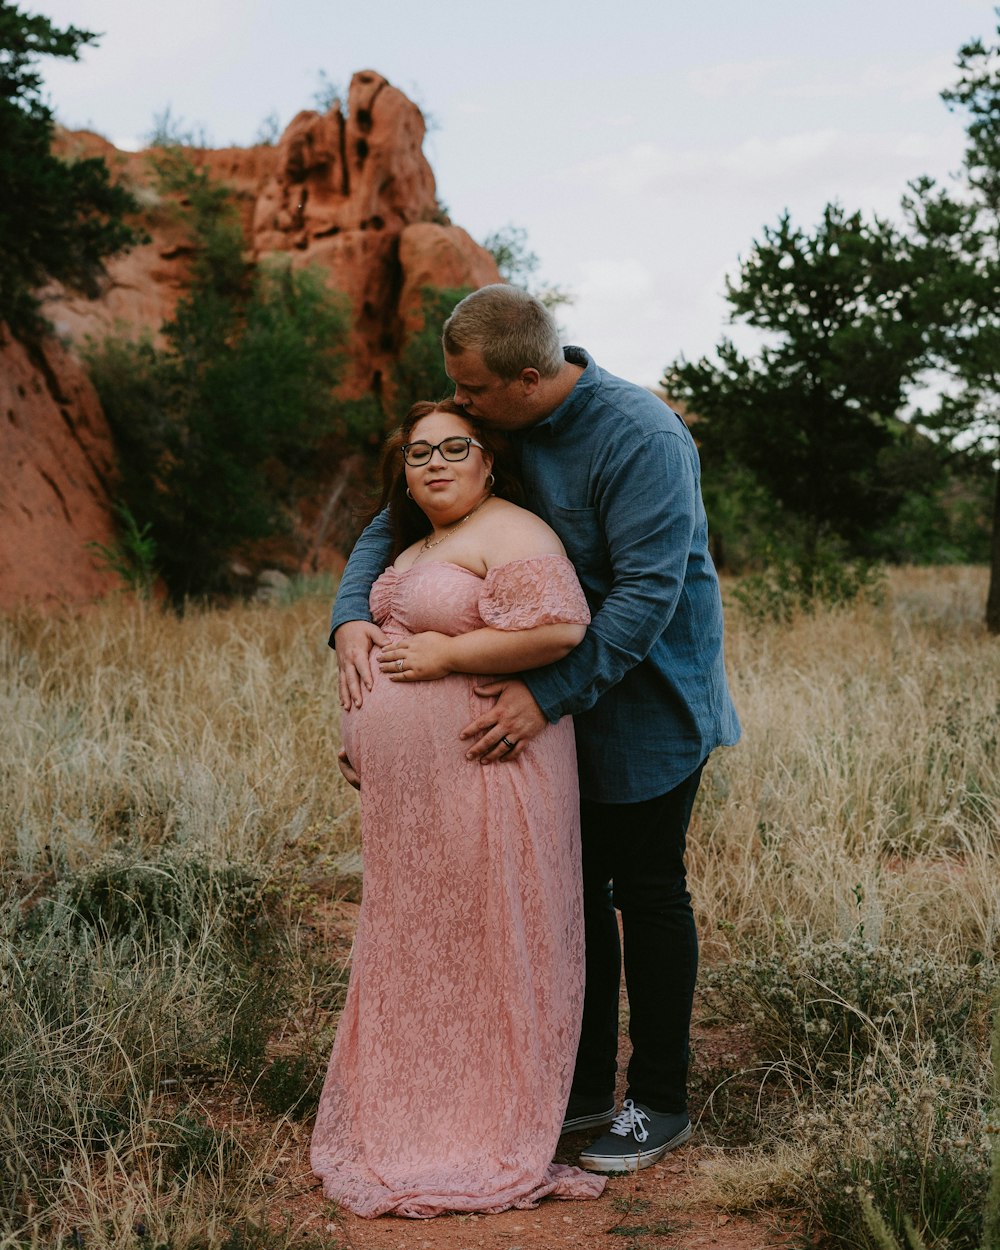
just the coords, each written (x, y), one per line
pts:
(508, 744)
(399, 666)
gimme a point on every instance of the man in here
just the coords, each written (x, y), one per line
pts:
(616, 475)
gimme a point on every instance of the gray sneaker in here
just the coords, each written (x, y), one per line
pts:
(638, 1138)
(588, 1111)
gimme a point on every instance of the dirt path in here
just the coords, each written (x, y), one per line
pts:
(661, 1208)
(657, 1209)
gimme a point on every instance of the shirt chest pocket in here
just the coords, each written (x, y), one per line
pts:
(584, 541)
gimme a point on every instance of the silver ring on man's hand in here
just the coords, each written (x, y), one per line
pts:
(399, 666)
(508, 744)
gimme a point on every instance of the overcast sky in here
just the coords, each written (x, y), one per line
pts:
(642, 144)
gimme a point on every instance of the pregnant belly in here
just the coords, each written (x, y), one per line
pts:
(411, 726)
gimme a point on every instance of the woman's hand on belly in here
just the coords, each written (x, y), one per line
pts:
(422, 657)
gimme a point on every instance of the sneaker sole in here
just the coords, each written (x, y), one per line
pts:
(588, 1121)
(633, 1162)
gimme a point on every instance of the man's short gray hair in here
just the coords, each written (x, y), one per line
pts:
(511, 329)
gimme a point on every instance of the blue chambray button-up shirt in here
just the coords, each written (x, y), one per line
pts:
(616, 474)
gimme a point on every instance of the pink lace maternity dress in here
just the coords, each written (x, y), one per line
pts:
(453, 1058)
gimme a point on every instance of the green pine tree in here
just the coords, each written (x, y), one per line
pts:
(58, 219)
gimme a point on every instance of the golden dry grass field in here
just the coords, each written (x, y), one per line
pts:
(175, 841)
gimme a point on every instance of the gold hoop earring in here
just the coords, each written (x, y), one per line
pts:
(409, 493)
(491, 479)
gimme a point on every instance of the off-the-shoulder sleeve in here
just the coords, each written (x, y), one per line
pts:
(538, 590)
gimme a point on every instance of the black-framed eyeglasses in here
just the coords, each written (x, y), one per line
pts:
(454, 448)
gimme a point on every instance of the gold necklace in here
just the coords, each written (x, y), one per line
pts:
(451, 528)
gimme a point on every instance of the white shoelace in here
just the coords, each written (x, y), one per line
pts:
(630, 1120)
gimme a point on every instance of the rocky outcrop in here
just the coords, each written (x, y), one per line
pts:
(348, 191)
(363, 171)
(352, 192)
(432, 255)
(56, 470)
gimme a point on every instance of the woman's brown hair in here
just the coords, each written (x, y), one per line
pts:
(408, 522)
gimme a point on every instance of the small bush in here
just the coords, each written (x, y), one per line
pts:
(175, 898)
(796, 583)
(830, 1005)
(130, 974)
(912, 1146)
(291, 1084)
(874, 1070)
(132, 555)
(192, 1145)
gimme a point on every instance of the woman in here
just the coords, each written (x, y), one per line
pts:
(453, 1058)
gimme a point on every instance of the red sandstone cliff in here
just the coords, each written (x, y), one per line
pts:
(349, 191)
(56, 468)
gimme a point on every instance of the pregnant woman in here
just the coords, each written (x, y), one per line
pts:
(454, 1055)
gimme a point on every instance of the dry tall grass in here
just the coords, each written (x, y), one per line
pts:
(870, 754)
(845, 859)
(218, 729)
(864, 798)
(160, 778)
(867, 785)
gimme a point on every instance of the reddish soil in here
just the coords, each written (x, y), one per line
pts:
(660, 1208)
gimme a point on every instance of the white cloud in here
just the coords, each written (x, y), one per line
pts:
(800, 168)
(920, 81)
(727, 78)
(819, 79)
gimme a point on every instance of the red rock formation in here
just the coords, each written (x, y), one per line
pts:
(351, 193)
(441, 256)
(56, 465)
(365, 171)
(142, 286)
(347, 191)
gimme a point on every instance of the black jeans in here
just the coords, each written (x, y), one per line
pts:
(633, 860)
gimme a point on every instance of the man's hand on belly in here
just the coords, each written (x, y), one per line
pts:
(353, 642)
(512, 721)
(347, 769)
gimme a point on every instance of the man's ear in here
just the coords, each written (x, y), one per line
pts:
(529, 379)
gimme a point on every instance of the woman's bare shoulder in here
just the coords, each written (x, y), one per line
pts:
(514, 532)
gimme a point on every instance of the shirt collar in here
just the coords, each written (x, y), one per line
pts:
(586, 383)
